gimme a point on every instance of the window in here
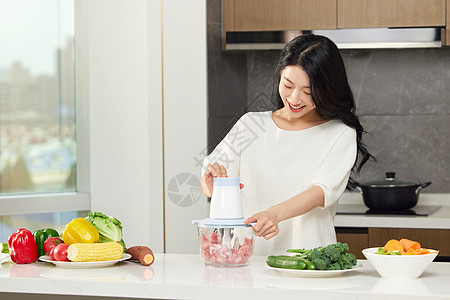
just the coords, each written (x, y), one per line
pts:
(38, 130)
(37, 100)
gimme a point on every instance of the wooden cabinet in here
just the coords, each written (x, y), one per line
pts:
(447, 31)
(269, 15)
(390, 13)
(356, 238)
(280, 15)
(360, 238)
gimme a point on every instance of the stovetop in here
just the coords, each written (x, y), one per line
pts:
(361, 209)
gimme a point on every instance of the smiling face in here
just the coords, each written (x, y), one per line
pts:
(295, 91)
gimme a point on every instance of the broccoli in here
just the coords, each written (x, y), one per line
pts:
(315, 254)
(334, 266)
(334, 251)
(331, 257)
(321, 263)
(347, 261)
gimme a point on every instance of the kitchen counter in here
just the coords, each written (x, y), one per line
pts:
(184, 276)
(437, 220)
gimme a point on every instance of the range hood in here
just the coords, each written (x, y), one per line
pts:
(358, 38)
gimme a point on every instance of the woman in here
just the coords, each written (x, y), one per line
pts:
(295, 162)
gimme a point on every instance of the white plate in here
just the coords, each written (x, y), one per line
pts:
(4, 258)
(84, 265)
(314, 273)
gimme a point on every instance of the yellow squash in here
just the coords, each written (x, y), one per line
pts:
(80, 231)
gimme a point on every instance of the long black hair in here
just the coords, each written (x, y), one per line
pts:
(330, 91)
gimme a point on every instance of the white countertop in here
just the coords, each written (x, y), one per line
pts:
(184, 276)
(438, 220)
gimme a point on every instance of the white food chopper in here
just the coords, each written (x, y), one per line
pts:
(225, 240)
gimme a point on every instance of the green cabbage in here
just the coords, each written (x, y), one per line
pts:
(109, 228)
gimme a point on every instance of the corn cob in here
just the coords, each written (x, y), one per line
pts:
(82, 252)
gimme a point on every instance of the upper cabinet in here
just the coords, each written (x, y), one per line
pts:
(280, 15)
(447, 37)
(270, 15)
(390, 13)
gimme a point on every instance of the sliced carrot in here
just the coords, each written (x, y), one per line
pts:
(411, 252)
(408, 244)
(424, 251)
(406, 247)
(417, 252)
(393, 245)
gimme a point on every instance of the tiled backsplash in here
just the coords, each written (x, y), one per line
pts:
(402, 98)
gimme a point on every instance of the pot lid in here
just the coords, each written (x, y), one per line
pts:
(391, 181)
(222, 223)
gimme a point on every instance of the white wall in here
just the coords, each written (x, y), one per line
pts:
(185, 120)
(145, 126)
(125, 116)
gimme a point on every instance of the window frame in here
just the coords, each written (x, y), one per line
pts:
(66, 201)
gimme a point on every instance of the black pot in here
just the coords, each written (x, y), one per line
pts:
(391, 194)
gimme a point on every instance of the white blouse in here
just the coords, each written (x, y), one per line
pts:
(275, 165)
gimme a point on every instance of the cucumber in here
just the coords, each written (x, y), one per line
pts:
(310, 265)
(286, 262)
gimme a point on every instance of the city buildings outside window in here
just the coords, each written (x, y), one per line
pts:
(38, 148)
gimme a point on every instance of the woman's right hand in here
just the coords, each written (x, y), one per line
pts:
(212, 170)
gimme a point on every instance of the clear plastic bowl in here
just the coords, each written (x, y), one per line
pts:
(226, 246)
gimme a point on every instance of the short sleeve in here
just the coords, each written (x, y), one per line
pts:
(333, 174)
(228, 151)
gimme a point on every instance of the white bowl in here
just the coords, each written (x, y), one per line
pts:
(399, 266)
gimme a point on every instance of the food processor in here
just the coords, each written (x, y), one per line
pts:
(225, 240)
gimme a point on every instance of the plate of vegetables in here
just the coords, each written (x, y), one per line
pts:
(84, 264)
(400, 259)
(329, 261)
(314, 273)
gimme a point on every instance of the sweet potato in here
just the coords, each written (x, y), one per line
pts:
(394, 245)
(408, 244)
(142, 254)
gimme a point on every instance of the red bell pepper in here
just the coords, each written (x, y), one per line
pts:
(22, 247)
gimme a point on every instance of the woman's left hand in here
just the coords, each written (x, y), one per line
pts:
(266, 224)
